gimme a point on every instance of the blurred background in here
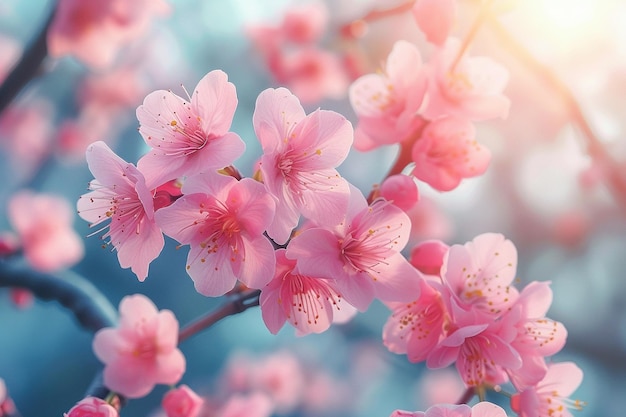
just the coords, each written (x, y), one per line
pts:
(545, 190)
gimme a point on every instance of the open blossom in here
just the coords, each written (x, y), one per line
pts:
(482, 409)
(362, 253)
(300, 154)
(182, 402)
(144, 343)
(223, 221)
(447, 152)
(92, 407)
(471, 89)
(310, 304)
(43, 224)
(189, 137)
(93, 30)
(119, 194)
(387, 103)
(480, 273)
(549, 398)
(537, 335)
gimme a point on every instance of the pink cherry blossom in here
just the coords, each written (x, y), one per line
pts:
(93, 31)
(362, 253)
(480, 348)
(119, 194)
(252, 405)
(428, 256)
(472, 89)
(537, 336)
(480, 273)
(415, 328)
(223, 221)
(182, 402)
(92, 407)
(280, 376)
(435, 18)
(401, 190)
(440, 386)
(549, 398)
(189, 137)
(447, 152)
(144, 343)
(308, 303)
(387, 103)
(44, 225)
(482, 409)
(304, 23)
(300, 154)
(311, 74)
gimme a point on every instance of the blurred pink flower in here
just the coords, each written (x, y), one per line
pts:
(435, 19)
(482, 409)
(387, 104)
(143, 344)
(362, 254)
(253, 405)
(11, 52)
(472, 89)
(280, 376)
(223, 221)
(44, 225)
(401, 190)
(308, 303)
(189, 137)
(300, 154)
(440, 386)
(304, 23)
(92, 407)
(550, 395)
(182, 402)
(119, 193)
(447, 152)
(93, 31)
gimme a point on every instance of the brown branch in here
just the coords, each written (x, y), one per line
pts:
(239, 304)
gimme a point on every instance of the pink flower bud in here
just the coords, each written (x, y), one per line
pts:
(401, 190)
(182, 402)
(92, 407)
(427, 256)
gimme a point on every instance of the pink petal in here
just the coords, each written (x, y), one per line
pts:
(214, 100)
(167, 331)
(108, 345)
(255, 207)
(563, 377)
(487, 409)
(271, 302)
(317, 252)
(212, 274)
(398, 281)
(257, 267)
(139, 247)
(435, 18)
(170, 367)
(276, 113)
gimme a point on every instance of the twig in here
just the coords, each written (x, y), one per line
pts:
(27, 67)
(616, 178)
(238, 304)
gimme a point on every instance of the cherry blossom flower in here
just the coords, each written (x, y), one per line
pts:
(182, 402)
(440, 386)
(472, 89)
(144, 343)
(447, 152)
(549, 398)
(119, 194)
(401, 190)
(44, 225)
(93, 31)
(92, 407)
(415, 328)
(480, 273)
(300, 154)
(435, 18)
(189, 137)
(253, 405)
(387, 103)
(223, 221)
(304, 23)
(428, 256)
(280, 376)
(482, 409)
(537, 337)
(362, 253)
(308, 303)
